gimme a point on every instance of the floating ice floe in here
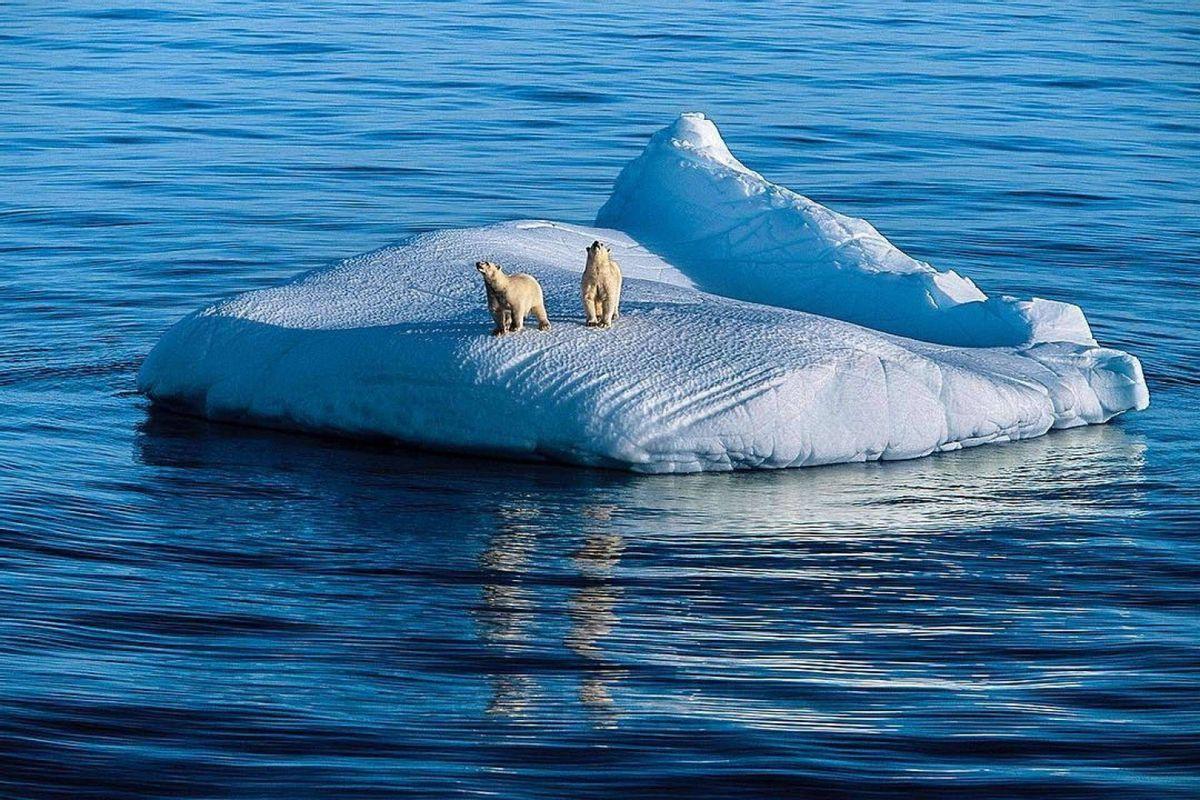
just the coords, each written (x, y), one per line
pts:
(736, 348)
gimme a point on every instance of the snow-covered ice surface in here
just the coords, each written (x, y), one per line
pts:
(395, 343)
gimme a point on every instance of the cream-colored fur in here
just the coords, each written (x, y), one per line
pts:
(601, 286)
(511, 298)
(498, 310)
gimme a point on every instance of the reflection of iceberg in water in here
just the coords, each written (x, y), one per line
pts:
(1055, 476)
(859, 579)
(715, 577)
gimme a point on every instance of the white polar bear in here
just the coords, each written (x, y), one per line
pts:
(601, 286)
(511, 298)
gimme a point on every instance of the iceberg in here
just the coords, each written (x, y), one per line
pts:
(758, 329)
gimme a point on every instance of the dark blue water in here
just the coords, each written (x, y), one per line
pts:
(191, 610)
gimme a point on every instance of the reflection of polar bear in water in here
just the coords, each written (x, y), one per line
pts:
(511, 298)
(601, 286)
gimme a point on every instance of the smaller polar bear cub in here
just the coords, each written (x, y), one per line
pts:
(511, 298)
(601, 286)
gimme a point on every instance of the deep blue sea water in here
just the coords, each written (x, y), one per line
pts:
(195, 610)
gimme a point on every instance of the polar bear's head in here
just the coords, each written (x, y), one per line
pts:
(597, 251)
(488, 269)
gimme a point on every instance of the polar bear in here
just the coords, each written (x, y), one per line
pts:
(511, 298)
(601, 286)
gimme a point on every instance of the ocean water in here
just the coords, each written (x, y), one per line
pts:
(196, 610)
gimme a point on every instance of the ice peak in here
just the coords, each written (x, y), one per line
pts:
(692, 131)
(734, 233)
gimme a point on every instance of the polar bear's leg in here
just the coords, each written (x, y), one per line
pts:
(611, 300)
(519, 312)
(500, 315)
(591, 308)
(539, 311)
(585, 294)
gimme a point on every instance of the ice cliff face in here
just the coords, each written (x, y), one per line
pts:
(394, 343)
